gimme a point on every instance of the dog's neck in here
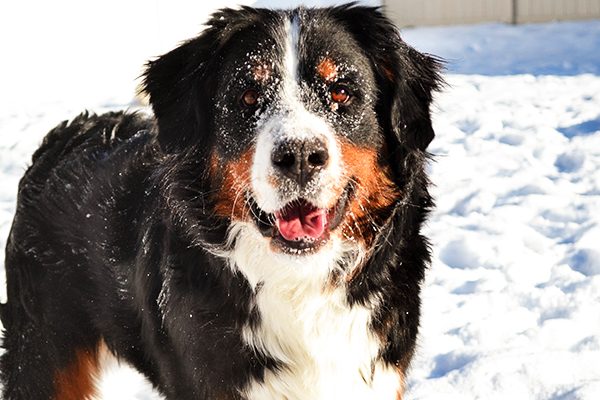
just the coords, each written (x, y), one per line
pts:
(325, 345)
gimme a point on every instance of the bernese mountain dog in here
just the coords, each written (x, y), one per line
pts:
(257, 237)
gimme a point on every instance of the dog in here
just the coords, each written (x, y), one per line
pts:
(257, 237)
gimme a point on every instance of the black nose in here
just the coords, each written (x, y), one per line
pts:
(300, 160)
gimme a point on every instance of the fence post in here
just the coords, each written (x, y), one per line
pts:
(514, 12)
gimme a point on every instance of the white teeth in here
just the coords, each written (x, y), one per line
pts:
(304, 238)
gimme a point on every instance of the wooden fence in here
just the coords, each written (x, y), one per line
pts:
(450, 12)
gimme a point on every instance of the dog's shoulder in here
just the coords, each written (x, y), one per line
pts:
(86, 138)
(89, 129)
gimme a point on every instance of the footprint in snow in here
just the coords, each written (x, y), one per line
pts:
(570, 161)
(585, 128)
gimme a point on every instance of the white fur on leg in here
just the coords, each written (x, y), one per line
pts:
(119, 381)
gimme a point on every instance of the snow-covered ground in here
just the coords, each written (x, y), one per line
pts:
(511, 308)
(512, 302)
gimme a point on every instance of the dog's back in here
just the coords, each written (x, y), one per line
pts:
(64, 201)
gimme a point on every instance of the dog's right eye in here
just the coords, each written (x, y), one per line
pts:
(250, 98)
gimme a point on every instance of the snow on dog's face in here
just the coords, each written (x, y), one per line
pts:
(305, 119)
(298, 142)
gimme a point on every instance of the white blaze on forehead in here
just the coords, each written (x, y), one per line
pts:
(289, 119)
(292, 35)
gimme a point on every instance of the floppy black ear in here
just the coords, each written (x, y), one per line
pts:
(174, 82)
(181, 84)
(406, 78)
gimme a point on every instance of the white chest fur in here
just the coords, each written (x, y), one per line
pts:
(325, 345)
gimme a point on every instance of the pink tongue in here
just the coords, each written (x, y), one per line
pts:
(301, 222)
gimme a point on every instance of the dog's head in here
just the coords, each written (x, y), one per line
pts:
(305, 120)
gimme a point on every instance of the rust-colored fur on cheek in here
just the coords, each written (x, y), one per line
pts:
(374, 192)
(233, 180)
(77, 380)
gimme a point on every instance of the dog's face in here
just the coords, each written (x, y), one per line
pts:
(302, 121)
(297, 132)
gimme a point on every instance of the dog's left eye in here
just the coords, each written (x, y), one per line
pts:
(340, 94)
(250, 98)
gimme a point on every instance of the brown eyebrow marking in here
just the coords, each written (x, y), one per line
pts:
(328, 70)
(261, 72)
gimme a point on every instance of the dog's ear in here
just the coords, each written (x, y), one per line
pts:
(181, 84)
(174, 83)
(406, 78)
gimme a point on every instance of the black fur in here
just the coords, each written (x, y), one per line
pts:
(406, 80)
(115, 209)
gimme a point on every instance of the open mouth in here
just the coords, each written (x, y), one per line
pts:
(300, 226)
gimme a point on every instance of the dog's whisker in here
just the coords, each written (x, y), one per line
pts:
(242, 190)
